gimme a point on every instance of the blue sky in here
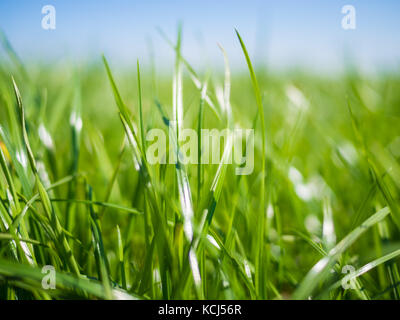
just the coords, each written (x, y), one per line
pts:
(281, 33)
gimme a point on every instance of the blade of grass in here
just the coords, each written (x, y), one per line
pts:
(64, 283)
(142, 134)
(364, 269)
(192, 73)
(47, 206)
(321, 269)
(121, 259)
(259, 265)
(98, 246)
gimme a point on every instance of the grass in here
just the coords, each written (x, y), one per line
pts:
(77, 191)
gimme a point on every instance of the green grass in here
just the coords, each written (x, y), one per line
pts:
(77, 191)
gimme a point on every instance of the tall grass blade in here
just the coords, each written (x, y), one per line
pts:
(321, 269)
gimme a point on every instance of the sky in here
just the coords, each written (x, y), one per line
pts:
(281, 34)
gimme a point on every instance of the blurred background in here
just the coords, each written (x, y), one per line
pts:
(280, 35)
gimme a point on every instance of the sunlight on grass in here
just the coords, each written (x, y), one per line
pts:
(78, 192)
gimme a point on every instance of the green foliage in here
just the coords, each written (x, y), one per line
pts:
(77, 191)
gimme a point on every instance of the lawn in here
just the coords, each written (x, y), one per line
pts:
(318, 217)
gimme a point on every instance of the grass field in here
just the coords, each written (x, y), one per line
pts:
(78, 193)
